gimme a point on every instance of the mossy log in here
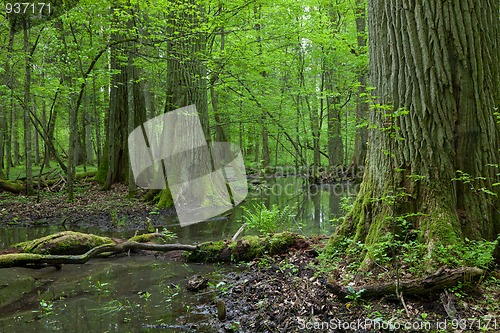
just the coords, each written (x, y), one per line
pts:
(430, 285)
(247, 248)
(37, 260)
(63, 243)
(70, 247)
(11, 186)
(18, 186)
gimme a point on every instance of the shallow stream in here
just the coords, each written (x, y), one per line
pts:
(145, 293)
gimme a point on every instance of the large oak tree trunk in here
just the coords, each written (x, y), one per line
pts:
(186, 78)
(434, 65)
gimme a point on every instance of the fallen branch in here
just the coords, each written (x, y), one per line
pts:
(69, 247)
(443, 278)
(18, 186)
(30, 259)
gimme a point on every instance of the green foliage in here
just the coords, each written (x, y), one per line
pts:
(470, 253)
(164, 199)
(169, 235)
(346, 203)
(46, 307)
(354, 296)
(264, 220)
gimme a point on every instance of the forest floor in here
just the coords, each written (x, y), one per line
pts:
(92, 207)
(284, 293)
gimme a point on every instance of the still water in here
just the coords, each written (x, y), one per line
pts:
(144, 293)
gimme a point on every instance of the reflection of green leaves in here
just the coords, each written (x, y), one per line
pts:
(114, 306)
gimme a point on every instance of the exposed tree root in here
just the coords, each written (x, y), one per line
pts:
(443, 278)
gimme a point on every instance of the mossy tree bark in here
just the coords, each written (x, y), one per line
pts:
(438, 62)
(186, 77)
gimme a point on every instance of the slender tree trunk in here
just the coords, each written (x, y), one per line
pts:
(97, 124)
(360, 142)
(149, 100)
(8, 144)
(116, 151)
(6, 117)
(335, 144)
(435, 67)
(15, 136)
(27, 106)
(220, 132)
(36, 142)
(46, 151)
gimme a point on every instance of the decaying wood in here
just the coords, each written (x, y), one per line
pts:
(69, 247)
(19, 185)
(30, 259)
(433, 284)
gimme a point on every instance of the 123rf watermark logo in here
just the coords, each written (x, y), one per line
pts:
(486, 323)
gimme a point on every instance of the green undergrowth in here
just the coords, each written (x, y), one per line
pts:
(391, 256)
(268, 220)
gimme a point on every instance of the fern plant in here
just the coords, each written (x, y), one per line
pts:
(265, 220)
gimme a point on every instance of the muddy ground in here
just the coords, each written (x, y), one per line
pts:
(272, 294)
(285, 294)
(92, 207)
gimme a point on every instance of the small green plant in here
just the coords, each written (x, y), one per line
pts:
(144, 295)
(46, 307)
(354, 296)
(234, 326)
(169, 235)
(469, 253)
(100, 287)
(221, 287)
(267, 220)
(170, 291)
(264, 262)
(346, 203)
(289, 268)
(116, 220)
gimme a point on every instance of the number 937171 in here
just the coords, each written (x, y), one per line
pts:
(27, 8)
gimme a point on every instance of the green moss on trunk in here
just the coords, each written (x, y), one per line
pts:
(164, 199)
(66, 242)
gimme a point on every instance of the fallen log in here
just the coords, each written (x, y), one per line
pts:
(12, 186)
(36, 260)
(247, 248)
(69, 247)
(18, 186)
(432, 284)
